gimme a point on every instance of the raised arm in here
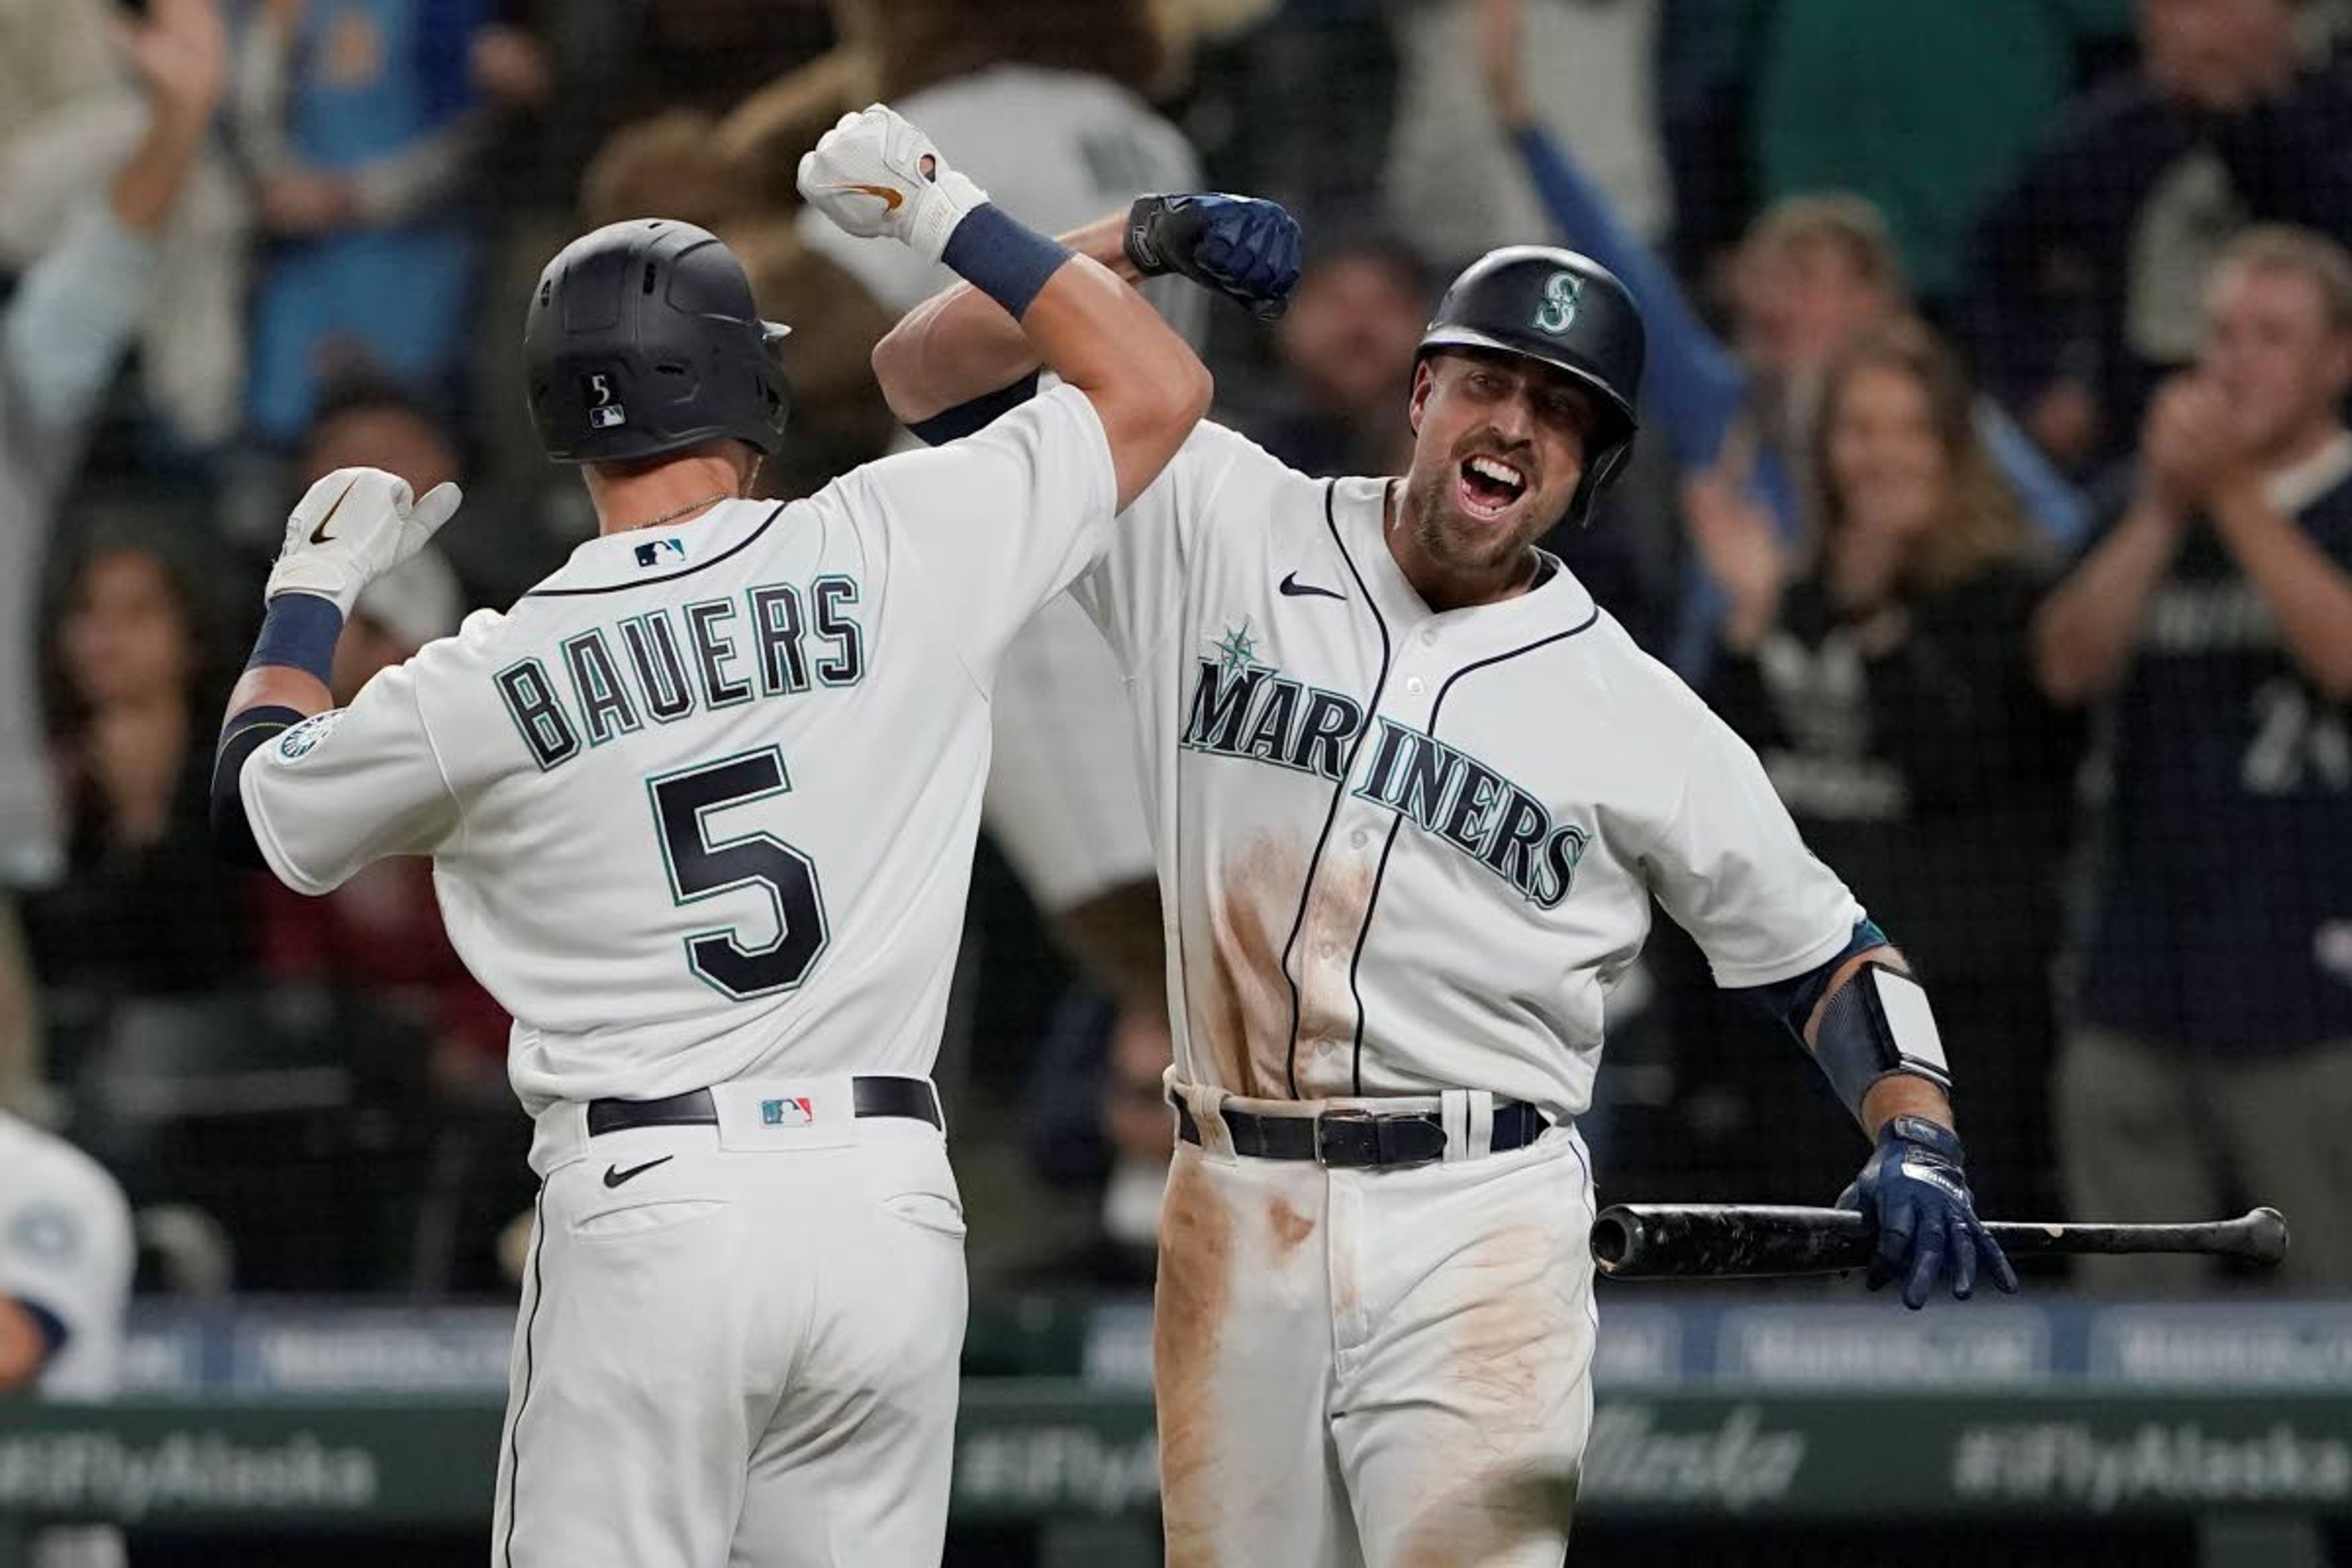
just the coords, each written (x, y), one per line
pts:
(957, 360)
(1695, 384)
(876, 175)
(957, 347)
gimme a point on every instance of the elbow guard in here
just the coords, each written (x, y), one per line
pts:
(242, 736)
(1876, 1024)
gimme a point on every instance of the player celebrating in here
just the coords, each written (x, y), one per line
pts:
(1412, 791)
(702, 807)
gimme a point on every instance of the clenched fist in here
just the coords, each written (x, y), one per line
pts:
(877, 176)
(353, 527)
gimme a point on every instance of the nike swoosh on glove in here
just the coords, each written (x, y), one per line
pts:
(877, 177)
(353, 527)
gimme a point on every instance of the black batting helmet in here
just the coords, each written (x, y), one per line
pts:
(643, 339)
(1565, 310)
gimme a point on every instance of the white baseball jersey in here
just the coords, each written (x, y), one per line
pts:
(66, 1249)
(1057, 150)
(701, 806)
(1402, 850)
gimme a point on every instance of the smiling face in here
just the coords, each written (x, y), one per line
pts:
(2278, 354)
(1886, 455)
(1499, 449)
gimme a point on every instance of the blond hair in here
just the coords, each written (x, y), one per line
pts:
(1982, 523)
(2304, 253)
(1840, 220)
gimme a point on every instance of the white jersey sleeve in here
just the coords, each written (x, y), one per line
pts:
(65, 1248)
(1732, 870)
(350, 787)
(1136, 590)
(1000, 521)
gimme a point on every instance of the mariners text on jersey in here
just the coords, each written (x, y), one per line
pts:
(1239, 708)
(775, 641)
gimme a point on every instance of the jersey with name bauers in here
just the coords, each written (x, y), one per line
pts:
(702, 805)
(1403, 850)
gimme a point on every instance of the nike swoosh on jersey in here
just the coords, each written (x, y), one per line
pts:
(891, 200)
(320, 535)
(615, 1176)
(1292, 588)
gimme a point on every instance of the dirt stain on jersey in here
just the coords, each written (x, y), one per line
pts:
(1188, 1323)
(1239, 1001)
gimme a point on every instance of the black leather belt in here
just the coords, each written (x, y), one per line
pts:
(912, 1098)
(1356, 1138)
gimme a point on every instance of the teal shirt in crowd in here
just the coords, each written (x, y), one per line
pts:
(1926, 109)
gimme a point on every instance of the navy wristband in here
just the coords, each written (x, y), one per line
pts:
(1003, 257)
(299, 632)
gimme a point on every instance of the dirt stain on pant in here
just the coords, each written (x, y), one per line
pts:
(1189, 1307)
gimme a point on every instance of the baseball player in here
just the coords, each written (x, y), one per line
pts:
(65, 1257)
(701, 808)
(1412, 792)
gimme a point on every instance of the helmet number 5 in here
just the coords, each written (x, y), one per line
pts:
(703, 865)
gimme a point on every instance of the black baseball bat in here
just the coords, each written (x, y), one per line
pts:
(1749, 1241)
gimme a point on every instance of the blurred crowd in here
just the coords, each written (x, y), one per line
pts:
(1993, 484)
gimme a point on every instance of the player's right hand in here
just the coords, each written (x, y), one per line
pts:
(353, 527)
(1245, 248)
(877, 177)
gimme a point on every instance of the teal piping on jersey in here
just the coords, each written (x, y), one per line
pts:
(736, 549)
(1372, 900)
(1338, 794)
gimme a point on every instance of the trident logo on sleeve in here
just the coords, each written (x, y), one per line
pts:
(1561, 297)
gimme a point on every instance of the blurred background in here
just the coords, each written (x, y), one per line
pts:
(1994, 349)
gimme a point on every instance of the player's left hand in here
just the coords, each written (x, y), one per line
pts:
(1914, 1190)
(353, 527)
(1245, 248)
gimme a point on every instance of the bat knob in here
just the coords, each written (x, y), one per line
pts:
(2265, 1235)
(1616, 1236)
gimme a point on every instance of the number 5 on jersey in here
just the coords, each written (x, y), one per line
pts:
(703, 867)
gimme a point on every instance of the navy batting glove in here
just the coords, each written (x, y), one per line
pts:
(1245, 248)
(1914, 1190)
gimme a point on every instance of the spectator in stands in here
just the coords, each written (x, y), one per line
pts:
(1591, 63)
(1882, 677)
(2082, 288)
(146, 907)
(1346, 351)
(1812, 274)
(1925, 111)
(361, 120)
(2211, 1061)
(60, 335)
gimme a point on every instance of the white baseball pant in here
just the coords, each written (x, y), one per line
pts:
(1385, 1367)
(743, 1352)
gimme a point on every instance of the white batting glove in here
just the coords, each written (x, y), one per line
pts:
(354, 526)
(867, 174)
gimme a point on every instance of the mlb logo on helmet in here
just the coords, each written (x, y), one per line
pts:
(651, 554)
(797, 1111)
(604, 412)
